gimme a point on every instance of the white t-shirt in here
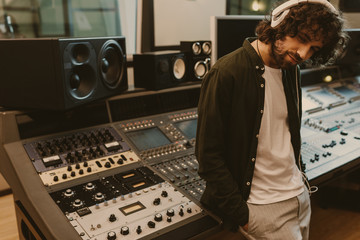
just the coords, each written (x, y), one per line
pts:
(276, 176)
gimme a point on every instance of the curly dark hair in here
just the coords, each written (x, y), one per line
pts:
(318, 21)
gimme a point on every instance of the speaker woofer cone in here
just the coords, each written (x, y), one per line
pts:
(82, 81)
(201, 68)
(111, 64)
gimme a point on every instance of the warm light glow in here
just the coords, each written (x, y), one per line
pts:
(328, 78)
(255, 6)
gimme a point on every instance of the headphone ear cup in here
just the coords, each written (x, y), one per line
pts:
(277, 19)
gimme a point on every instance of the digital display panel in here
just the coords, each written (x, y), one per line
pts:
(148, 138)
(188, 128)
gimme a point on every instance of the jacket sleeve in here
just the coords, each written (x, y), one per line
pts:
(222, 193)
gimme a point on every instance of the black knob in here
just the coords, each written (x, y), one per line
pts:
(85, 164)
(88, 169)
(73, 174)
(77, 166)
(56, 178)
(107, 165)
(151, 224)
(64, 176)
(138, 230)
(158, 217)
(164, 194)
(170, 212)
(168, 219)
(69, 168)
(181, 212)
(156, 201)
(111, 235)
(81, 171)
(189, 210)
(124, 230)
(344, 133)
(112, 218)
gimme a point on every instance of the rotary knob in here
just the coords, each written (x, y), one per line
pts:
(77, 203)
(111, 235)
(151, 224)
(99, 196)
(158, 217)
(124, 230)
(112, 218)
(164, 194)
(156, 201)
(89, 186)
(170, 212)
(69, 192)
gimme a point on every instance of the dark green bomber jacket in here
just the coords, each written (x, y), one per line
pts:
(229, 116)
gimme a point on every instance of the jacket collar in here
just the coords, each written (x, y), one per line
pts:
(259, 65)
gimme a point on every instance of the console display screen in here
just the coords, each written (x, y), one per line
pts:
(148, 138)
(188, 128)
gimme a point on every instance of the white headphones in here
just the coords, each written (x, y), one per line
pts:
(279, 13)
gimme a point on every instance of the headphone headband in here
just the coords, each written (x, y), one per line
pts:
(279, 13)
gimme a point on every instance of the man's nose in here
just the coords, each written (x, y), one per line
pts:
(304, 51)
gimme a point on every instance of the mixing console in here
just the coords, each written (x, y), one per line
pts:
(331, 126)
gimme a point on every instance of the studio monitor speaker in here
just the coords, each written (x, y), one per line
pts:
(61, 73)
(159, 70)
(198, 58)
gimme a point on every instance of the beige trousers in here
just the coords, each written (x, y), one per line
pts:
(285, 220)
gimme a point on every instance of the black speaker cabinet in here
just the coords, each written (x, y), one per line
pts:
(196, 48)
(159, 70)
(60, 74)
(198, 58)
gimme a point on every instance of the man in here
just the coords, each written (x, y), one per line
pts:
(248, 135)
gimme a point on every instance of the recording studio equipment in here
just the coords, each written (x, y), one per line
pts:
(330, 129)
(60, 74)
(135, 204)
(279, 13)
(159, 70)
(198, 57)
(90, 184)
(72, 156)
(166, 142)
